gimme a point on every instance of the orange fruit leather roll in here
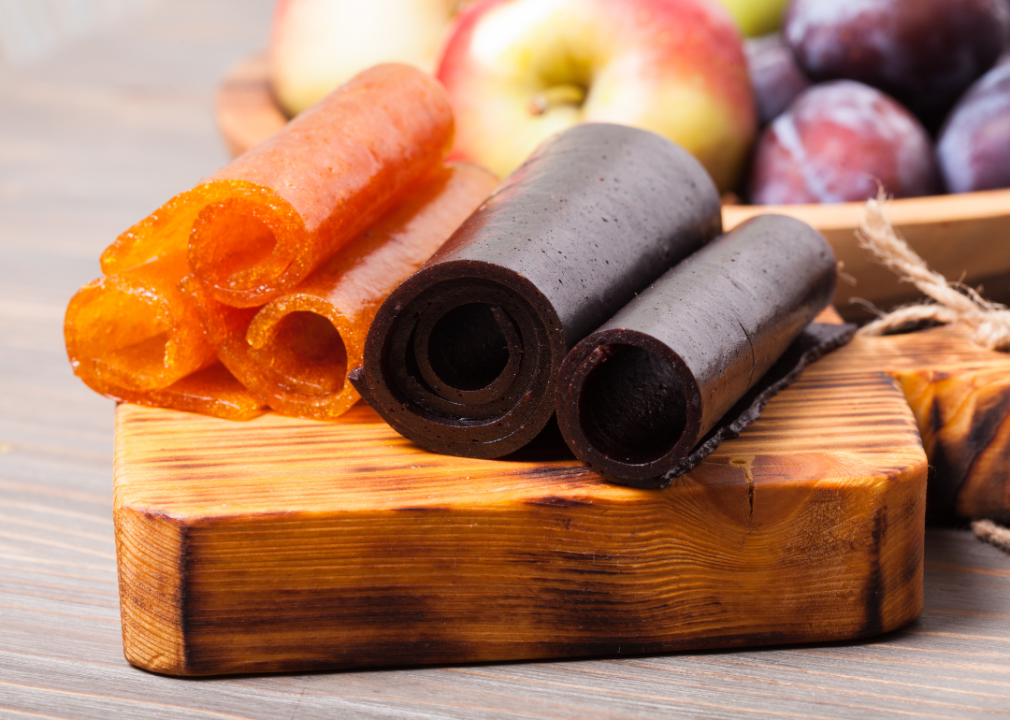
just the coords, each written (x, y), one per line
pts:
(266, 220)
(210, 391)
(136, 337)
(263, 223)
(135, 330)
(297, 350)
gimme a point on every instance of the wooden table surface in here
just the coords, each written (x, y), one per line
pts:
(98, 134)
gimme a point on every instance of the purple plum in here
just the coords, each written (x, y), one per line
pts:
(974, 145)
(924, 53)
(774, 74)
(835, 143)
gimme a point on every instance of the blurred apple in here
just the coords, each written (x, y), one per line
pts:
(757, 17)
(317, 45)
(519, 71)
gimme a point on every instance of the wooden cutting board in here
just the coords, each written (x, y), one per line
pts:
(281, 544)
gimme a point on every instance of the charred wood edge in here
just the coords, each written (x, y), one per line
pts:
(990, 532)
(816, 341)
(952, 303)
(953, 461)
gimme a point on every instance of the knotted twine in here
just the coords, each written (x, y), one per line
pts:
(953, 304)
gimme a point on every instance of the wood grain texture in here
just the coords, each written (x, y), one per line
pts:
(960, 396)
(307, 545)
(100, 134)
(966, 237)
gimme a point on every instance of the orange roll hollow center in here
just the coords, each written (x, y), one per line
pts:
(302, 346)
(296, 351)
(240, 243)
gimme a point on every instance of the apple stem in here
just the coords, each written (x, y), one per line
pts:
(555, 96)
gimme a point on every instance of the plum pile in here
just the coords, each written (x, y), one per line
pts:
(913, 94)
(974, 147)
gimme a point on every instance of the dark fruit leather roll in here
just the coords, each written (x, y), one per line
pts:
(637, 396)
(462, 358)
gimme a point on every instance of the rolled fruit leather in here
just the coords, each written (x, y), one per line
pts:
(109, 338)
(136, 337)
(697, 355)
(211, 391)
(261, 224)
(135, 331)
(462, 357)
(108, 333)
(295, 352)
(269, 218)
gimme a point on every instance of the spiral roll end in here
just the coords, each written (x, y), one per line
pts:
(462, 360)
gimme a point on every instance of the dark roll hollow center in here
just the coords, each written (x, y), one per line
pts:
(463, 357)
(467, 349)
(632, 406)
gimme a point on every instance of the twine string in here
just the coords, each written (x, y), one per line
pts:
(990, 532)
(953, 302)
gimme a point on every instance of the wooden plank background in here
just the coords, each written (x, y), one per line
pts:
(31, 29)
(94, 136)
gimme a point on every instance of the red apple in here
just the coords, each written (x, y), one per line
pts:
(317, 45)
(519, 71)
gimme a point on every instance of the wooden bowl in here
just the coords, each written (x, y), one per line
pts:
(965, 236)
(246, 111)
